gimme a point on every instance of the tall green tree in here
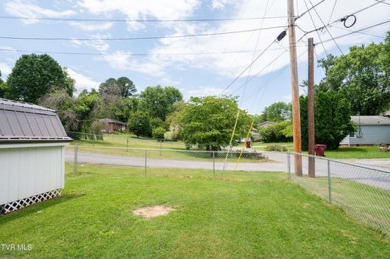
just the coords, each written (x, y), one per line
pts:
(362, 75)
(332, 116)
(279, 111)
(139, 124)
(209, 122)
(35, 75)
(158, 101)
(76, 113)
(3, 88)
(59, 100)
(122, 87)
(173, 121)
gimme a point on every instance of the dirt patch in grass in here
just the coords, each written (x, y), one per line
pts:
(153, 211)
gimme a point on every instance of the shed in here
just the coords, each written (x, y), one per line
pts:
(32, 155)
(371, 130)
(111, 125)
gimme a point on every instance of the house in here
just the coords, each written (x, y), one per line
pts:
(110, 125)
(265, 124)
(371, 130)
(32, 155)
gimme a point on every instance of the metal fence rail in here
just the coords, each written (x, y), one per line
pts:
(363, 192)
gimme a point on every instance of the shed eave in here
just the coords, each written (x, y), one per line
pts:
(32, 141)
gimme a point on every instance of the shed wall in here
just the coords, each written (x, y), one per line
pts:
(28, 171)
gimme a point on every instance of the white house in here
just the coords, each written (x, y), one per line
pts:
(371, 130)
(32, 158)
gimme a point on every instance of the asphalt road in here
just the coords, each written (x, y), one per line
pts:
(374, 173)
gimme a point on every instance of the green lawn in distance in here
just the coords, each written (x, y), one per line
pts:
(242, 215)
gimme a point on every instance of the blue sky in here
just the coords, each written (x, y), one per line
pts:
(97, 41)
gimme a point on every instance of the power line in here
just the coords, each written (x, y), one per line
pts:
(135, 54)
(357, 31)
(331, 14)
(137, 38)
(343, 19)
(326, 28)
(254, 53)
(363, 33)
(253, 61)
(382, 2)
(308, 10)
(138, 20)
(318, 34)
(365, 8)
(262, 70)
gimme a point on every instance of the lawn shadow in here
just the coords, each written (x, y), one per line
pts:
(35, 208)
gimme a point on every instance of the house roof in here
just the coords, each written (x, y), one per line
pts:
(107, 120)
(370, 120)
(24, 123)
(265, 123)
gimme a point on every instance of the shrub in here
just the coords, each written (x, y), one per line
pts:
(278, 132)
(275, 147)
(158, 133)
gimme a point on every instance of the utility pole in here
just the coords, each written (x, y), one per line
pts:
(294, 89)
(310, 108)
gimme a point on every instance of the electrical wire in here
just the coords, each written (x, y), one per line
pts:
(363, 33)
(237, 77)
(133, 54)
(138, 38)
(357, 31)
(138, 20)
(331, 14)
(308, 10)
(326, 28)
(382, 2)
(318, 34)
(254, 52)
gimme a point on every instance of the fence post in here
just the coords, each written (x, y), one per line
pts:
(75, 158)
(289, 165)
(213, 164)
(146, 160)
(127, 145)
(329, 183)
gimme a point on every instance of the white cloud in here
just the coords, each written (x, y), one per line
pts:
(220, 4)
(27, 9)
(5, 70)
(205, 91)
(138, 10)
(122, 60)
(98, 44)
(92, 26)
(82, 81)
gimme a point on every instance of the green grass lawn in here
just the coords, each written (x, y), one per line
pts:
(124, 145)
(367, 204)
(242, 215)
(362, 152)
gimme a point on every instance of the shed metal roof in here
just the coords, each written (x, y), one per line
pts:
(370, 120)
(24, 122)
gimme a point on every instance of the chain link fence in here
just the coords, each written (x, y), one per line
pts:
(362, 191)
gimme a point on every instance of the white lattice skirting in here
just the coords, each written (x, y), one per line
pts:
(16, 205)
